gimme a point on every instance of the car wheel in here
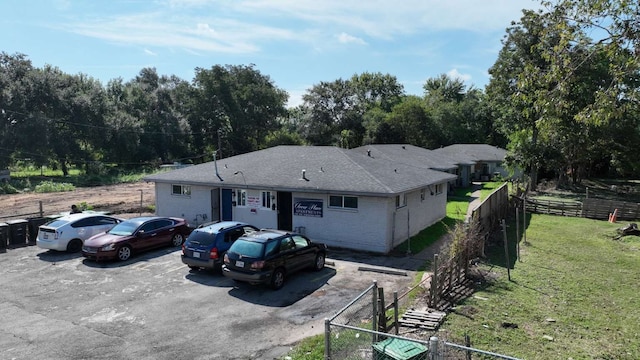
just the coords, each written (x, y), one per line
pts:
(74, 246)
(177, 240)
(319, 264)
(277, 278)
(124, 253)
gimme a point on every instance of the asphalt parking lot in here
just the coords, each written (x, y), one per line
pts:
(60, 306)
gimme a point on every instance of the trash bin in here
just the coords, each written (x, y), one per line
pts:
(4, 236)
(398, 349)
(17, 232)
(33, 226)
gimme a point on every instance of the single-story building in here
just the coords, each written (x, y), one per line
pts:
(476, 162)
(343, 198)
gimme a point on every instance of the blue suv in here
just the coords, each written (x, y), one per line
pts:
(206, 245)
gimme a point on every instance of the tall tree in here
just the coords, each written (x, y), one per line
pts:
(237, 103)
(15, 71)
(518, 89)
(615, 25)
(337, 109)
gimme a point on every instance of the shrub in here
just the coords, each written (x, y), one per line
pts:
(50, 186)
(7, 188)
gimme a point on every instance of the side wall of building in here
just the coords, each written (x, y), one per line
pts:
(377, 225)
(195, 208)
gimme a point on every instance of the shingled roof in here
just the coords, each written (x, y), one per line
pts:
(308, 169)
(468, 154)
(409, 155)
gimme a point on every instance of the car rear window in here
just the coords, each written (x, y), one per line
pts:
(56, 223)
(202, 238)
(247, 248)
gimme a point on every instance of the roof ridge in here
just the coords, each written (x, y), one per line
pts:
(371, 176)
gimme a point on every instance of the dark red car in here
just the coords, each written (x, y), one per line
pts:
(136, 235)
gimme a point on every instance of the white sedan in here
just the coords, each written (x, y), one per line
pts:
(68, 233)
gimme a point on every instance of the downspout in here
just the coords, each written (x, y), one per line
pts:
(393, 230)
(215, 164)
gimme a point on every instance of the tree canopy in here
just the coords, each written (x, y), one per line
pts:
(563, 98)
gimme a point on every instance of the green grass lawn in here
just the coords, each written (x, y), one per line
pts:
(573, 295)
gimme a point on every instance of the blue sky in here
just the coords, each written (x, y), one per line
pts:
(297, 43)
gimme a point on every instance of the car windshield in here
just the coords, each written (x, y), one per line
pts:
(201, 238)
(124, 228)
(247, 248)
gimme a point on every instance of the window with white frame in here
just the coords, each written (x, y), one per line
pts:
(241, 197)
(439, 188)
(401, 200)
(343, 202)
(266, 199)
(182, 190)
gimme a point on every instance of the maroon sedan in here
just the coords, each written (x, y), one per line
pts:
(135, 235)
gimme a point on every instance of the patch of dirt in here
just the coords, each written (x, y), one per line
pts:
(123, 200)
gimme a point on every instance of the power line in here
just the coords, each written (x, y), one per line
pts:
(111, 128)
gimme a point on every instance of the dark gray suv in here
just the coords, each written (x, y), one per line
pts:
(206, 245)
(268, 256)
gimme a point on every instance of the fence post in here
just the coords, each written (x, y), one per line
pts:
(41, 210)
(506, 249)
(518, 234)
(374, 337)
(382, 314)
(395, 312)
(327, 339)
(433, 348)
(524, 220)
(467, 343)
(434, 283)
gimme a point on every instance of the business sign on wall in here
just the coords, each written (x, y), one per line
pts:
(254, 201)
(307, 207)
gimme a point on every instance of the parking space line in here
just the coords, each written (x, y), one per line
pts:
(142, 266)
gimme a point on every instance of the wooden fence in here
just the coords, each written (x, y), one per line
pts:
(555, 207)
(492, 209)
(450, 276)
(600, 209)
(588, 208)
(447, 277)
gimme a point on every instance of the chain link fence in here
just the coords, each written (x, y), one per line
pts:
(351, 334)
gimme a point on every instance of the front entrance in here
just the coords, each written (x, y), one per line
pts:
(285, 211)
(215, 204)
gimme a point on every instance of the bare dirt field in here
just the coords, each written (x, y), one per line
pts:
(121, 199)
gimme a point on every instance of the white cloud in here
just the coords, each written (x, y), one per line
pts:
(455, 74)
(384, 19)
(149, 52)
(345, 38)
(244, 26)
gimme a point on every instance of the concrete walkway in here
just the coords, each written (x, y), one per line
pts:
(417, 260)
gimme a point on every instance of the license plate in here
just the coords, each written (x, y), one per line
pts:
(45, 235)
(196, 254)
(240, 264)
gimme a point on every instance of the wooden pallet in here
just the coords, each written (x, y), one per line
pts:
(429, 319)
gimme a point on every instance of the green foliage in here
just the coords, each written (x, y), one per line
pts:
(50, 186)
(489, 187)
(7, 188)
(84, 206)
(311, 348)
(49, 180)
(568, 268)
